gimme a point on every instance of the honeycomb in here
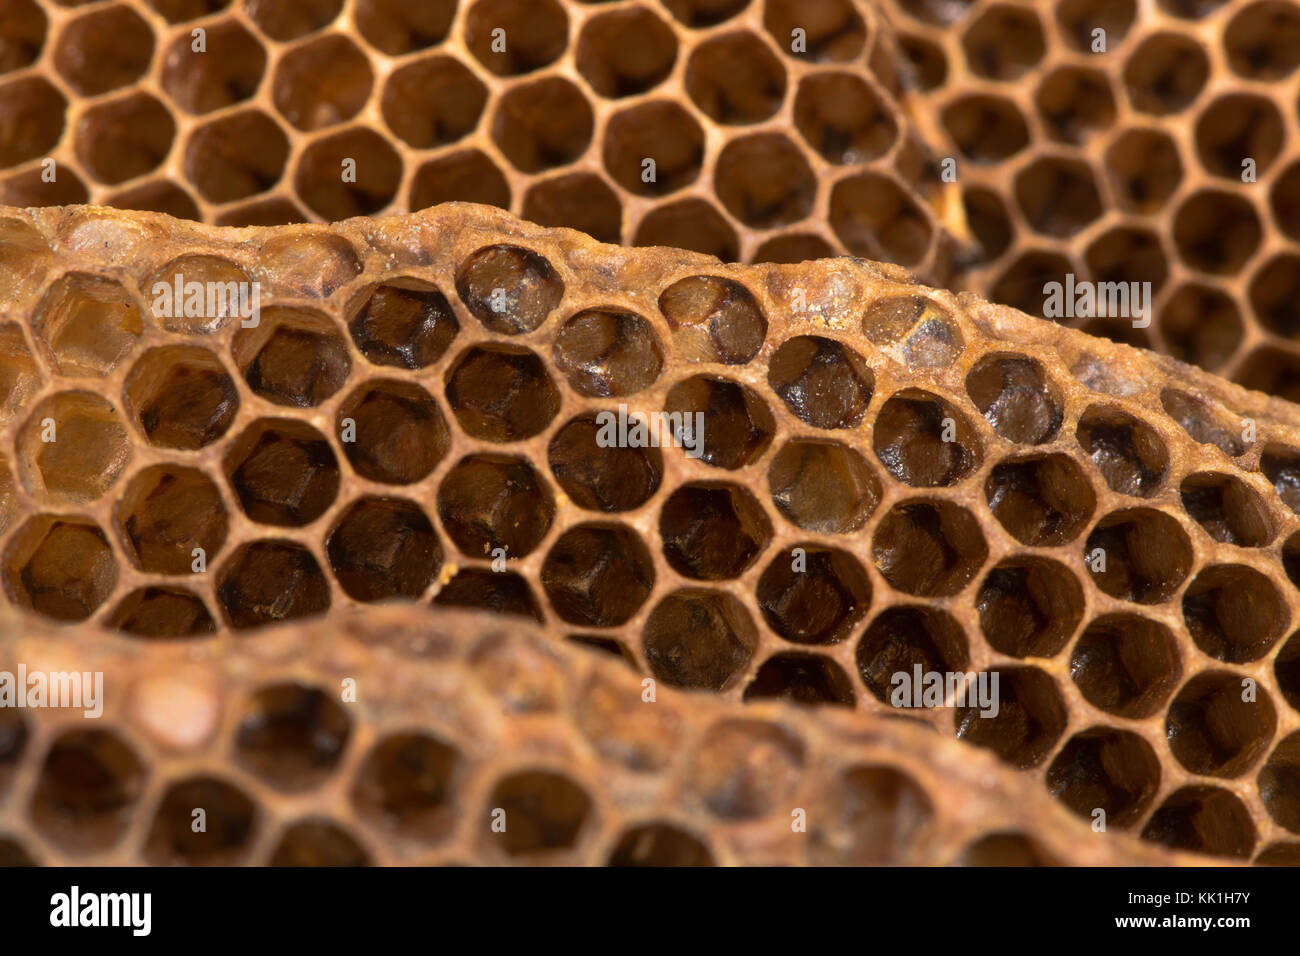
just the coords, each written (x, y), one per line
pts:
(883, 478)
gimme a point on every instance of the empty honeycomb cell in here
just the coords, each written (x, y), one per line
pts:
(89, 784)
(1127, 255)
(104, 50)
(823, 486)
(985, 128)
(196, 315)
(404, 323)
(289, 19)
(875, 217)
(876, 815)
(1234, 613)
(74, 446)
(1075, 102)
(699, 638)
(796, 247)
(735, 79)
(1101, 768)
(467, 176)
(1078, 19)
(923, 441)
(267, 581)
(230, 824)
(433, 102)
(1203, 421)
(659, 844)
(1005, 849)
(294, 356)
(1262, 40)
(513, 37)
(598, 476)
(626, 51)
(1203, 819)
(392, 431)
(1216, 232)
(382, 548)
(181, 397)
(1138, 554)
(608, 352)
(1279, 783)
(165, 513)
(160, 612)
(726, 422)
(653, 149)
(813, 595)
(25, 28)
(291, 735)
(396, 28)
(88, 324)
(1022, 284)
(1274, 290)
(542, 125)
(1271, 370)
(1004, 42)
(764, 181)
(322, 82)
(822, 382)
(841, 117)
(31, 119)
(714, 319)
(828, 29)
(510, 289)
(1228, 509)
(317, 843)
(489, 501)
(1213, 731)
(501, 393)
(236, 156)
(372, 172)
(582, 201)
(226, 71)
(1126, 665)
(1165, 73)
(1017, 397)
(1284, 197)
(406, 786)
(1028, 720)
(501, 592)
(712, 530)
(928, 548)
(929, 66)
(745, 769)
(598, 575)
(692, 224)
(30, 189)
(1129, 453)
(1144, 169)
(1236, 128)
(544, 813)
(283, 472)
(125, 138)
(1029, 607)
(1058, 196)
(808, 679)
(903, 638)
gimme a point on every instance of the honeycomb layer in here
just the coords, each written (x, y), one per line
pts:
(888, 477)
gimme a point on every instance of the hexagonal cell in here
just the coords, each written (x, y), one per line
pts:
(1271, 370)
(877, 218)
(1004, 42)
(104, 50)
(807, 679)
(1262, 40)
(293, 356)
(1234, 613)
(501, 592)
(822, 382)
(227, 71)
(20, 376)
(1144, 169)
(495, 501)
(878, 816)
(746, 769)
(1042, 500)
(1017, 397)
(714, 319)
(1058, 196)
(1212, 731)
(468, 176)
(902, 638)
(433, 102)
(582, 201)
(985, 128)
(1029, 718)
(712, 531)
(291, 735)
(1236, 128)
(406, 323)
(1165, 73)
(692, 224)
(321, 83)
(598, 575)
(1029, 607)
(923, 328)
(813, 594)
(1201, 325)
(162, 613)
(377, 172)
(231, 817)
(87, 791)
(214, 291)
(1127, 255)
(1129, 453)
(608, 352)
(599, 478)
(1023, 283)
(181, 397)
(267, 581)
(1279, 782)
(923, 441)
(726, 423)
(1145, 555)
(699, 638)
(1126, 665)
(165, 513)
(396, 28)
(317, 843)
(25, 26)
(735, 79)
(1105, 769)
(841, 117)
(33, 119)
(625, 52)
(823, 486)
(286, 20)
(513, 37)
(87, 324)
(1204, 421)
(510, 289)
(283, 472)
(928, 548)
(764, 181)
(545, 814)
(1228, 509)
(659, 845)
(236, 156)
(382, 548)
(406, 787)
(830, 29)
(1273, 292)
(73, 447)
(501, 393)
(125, 138)
(542, 125)
(29, 189)
(653, 149)
(61, 567)
(1074, 103)
(925, 61)
(1078, 19)
(1201, 819)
